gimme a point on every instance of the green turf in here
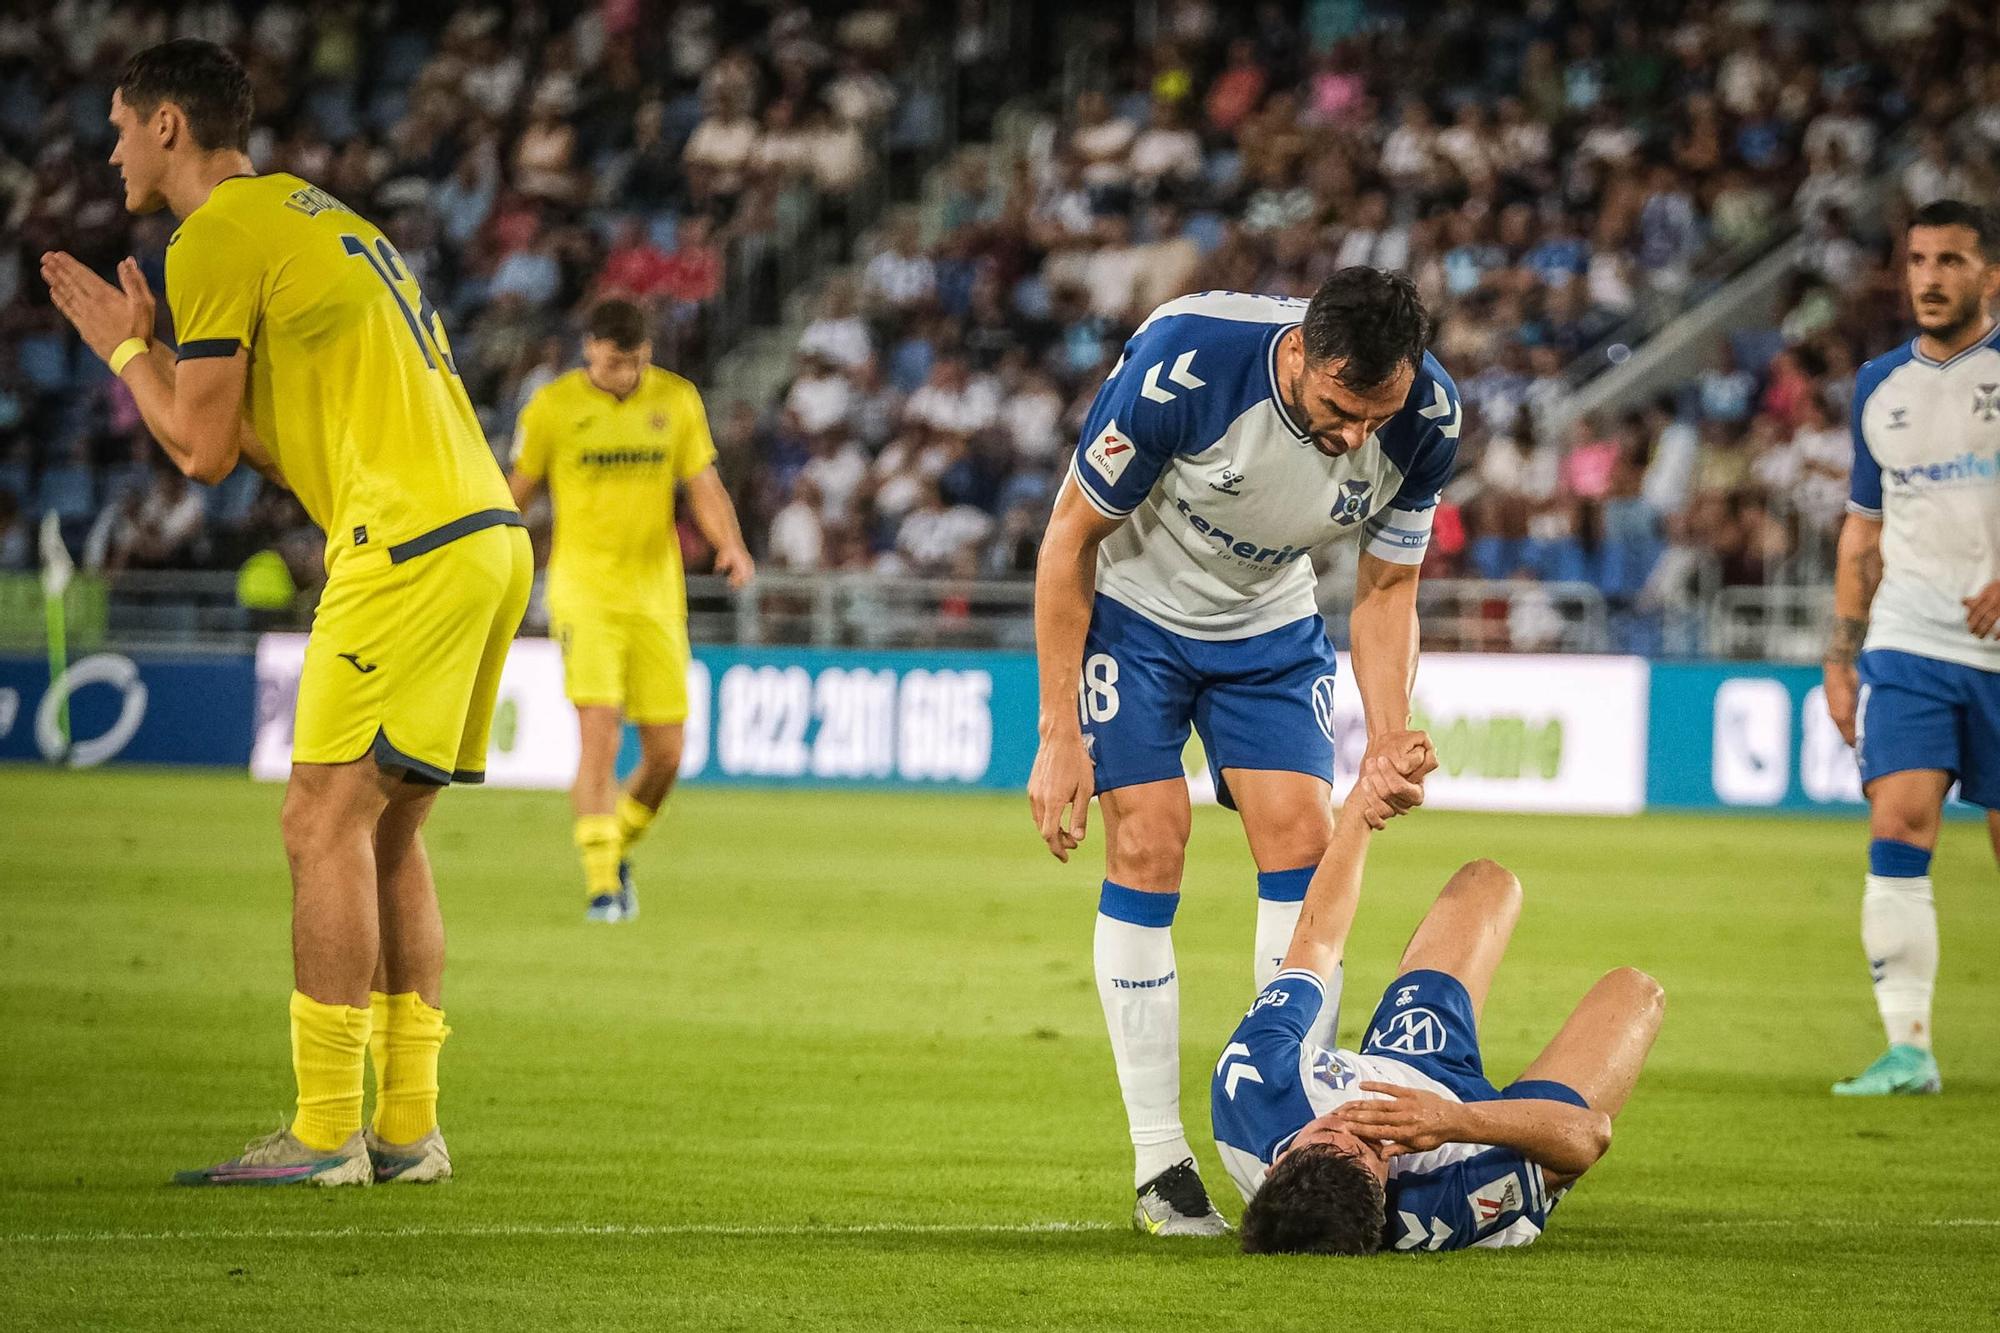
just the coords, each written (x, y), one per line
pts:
(846, 1012)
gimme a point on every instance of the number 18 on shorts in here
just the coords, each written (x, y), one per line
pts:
(1265, 702)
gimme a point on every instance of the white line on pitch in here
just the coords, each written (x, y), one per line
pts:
(568, 1229)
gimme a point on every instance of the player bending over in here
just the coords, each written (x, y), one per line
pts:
(293, 310)
(612, 440)
(1405, 1143)
(1175, 586)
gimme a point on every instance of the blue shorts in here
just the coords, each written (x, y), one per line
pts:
(1425, 1021)
(1264, 702)
(1919, 712)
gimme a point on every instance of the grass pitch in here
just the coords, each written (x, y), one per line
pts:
(848, 1071)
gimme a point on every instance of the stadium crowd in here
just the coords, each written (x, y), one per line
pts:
(1552, 178)
(523, 157)
(1555, 175)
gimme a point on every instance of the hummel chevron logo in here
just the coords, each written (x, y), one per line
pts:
(354, 660)
(1415, 1232)
(1237, 1072)
(1442, 407)
(1182, 374)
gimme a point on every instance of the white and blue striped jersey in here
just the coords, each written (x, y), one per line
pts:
(1927, 464)
(1225, 493)
(1271, 1083)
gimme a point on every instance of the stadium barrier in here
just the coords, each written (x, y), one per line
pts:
(183, 709)
(1561, 733)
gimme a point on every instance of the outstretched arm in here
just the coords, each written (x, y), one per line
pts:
(1327, 915)
(1563, 1139)
(1383, 630)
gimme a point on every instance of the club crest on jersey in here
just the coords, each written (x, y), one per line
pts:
(1328, 1069)
(658, 421)
(1109, 454)
(1353, 502)
(1416, 1031)
(1986, 402)
(1495, 1199)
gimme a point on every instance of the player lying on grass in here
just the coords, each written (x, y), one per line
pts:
(1405, 1143)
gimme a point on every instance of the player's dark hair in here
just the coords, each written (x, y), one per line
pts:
(1371, 319)
(1958, 213)
(202, 79)
(621, 322)
(1316, 1200)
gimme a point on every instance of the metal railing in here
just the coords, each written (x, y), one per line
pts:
(197, 611)
(1770, 624)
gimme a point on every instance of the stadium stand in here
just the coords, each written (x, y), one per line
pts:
(1562, 180)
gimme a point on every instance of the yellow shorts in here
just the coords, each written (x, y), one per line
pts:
(404, 659)
(625, 660)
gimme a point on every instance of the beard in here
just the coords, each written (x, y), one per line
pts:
(1950, 320)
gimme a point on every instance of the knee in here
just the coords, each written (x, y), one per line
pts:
(1488, 879)
(1903, 820)
(1146, 850)
(1640, 989)
(663, 756)
(301, 821)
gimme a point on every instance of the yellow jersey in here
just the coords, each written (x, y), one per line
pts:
(611, 467)
(352, 386)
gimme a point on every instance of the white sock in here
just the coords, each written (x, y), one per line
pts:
(1275, 923)
(1136, 982)
(1280, 896)
(1899, 931)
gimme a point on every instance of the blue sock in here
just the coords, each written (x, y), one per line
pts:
(1893, 859)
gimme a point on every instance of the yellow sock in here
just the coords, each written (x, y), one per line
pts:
(329, 1058)
(633, 820)
(378, 1037)
(597, 839)
(406, 1100)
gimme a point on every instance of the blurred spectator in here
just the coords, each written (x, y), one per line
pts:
(17, 543)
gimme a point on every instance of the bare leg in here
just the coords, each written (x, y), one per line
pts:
(412, 926)
(1908, 806)
(659, 763)
(1993, 833)
(595, 790)
(329, 819)
(1603, 1044)
(1287, 817)
(1604, 1041)
(1145, 835)
(1465, 933)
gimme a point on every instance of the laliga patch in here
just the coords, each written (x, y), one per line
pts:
(1494, 1200)
(1109, 454)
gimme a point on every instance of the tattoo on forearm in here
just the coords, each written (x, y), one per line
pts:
(1845, 645)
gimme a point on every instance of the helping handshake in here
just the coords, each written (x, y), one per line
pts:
(1391, 781)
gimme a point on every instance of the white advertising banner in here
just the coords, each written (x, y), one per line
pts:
(1558, 734)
